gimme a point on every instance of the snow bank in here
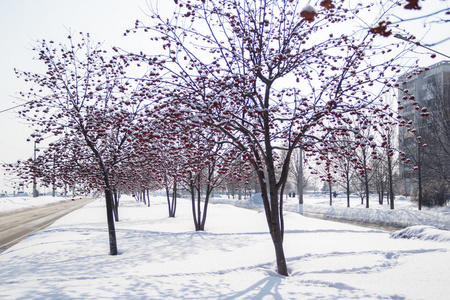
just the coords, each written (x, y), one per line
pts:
(399, 217)
(422, 233)
(405, 213)
(254, 202)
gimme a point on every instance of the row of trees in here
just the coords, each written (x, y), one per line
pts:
(231, 85)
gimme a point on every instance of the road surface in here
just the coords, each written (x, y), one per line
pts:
(16, 226)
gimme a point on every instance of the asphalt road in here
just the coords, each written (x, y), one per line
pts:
(16, 226)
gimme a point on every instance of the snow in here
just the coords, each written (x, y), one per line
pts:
(11, 204)
(423, 233)
(164, 258)
(309, 8)
(405, 213)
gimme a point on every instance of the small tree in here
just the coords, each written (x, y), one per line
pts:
(81, 98)
(208, 164)
(346, 164)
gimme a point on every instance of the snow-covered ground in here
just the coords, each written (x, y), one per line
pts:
(11, 204)
(405, 213)
(164, 258)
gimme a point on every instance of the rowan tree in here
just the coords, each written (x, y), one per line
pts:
(168, 158)
(271, 76)
(345, 165)
(208, 161)
(82, 100)
(242, 180)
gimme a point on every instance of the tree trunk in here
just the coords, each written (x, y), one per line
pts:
(168, 201)
(391, 182)
(174, 198)
(420, 190)
(330, 193)
(110, 218)
(279, 251)
(144, 199)
(381, 194)
(281, 212)
(277, 237)
(199, 210)
(194, 213)
(205, 207)
(274, 219)
(276, 233)
(367, 191)
(419, 176)
(348, 192)
(366, 178)
(196, 206)
(116, 206)
(173, 204)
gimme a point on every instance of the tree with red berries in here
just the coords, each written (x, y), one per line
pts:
(82, 100)
(205, 160)
(271, 77)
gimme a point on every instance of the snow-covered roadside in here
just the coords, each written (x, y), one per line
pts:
(404, 215)
(422, 232)
(163, 258)
(11, 204)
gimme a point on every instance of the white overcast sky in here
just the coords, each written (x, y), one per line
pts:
(23, 22)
